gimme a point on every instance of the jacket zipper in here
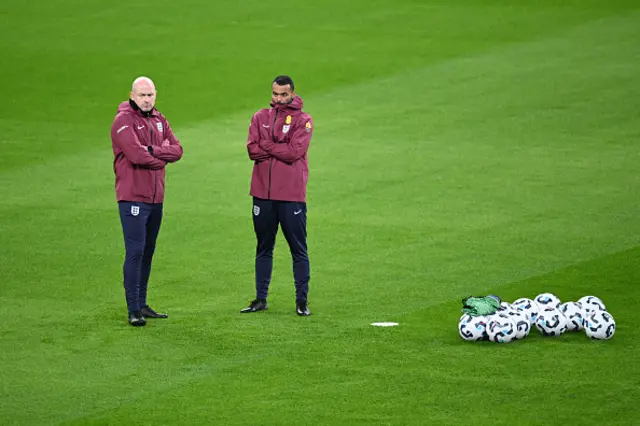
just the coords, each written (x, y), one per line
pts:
(155, 176)
(273, 139)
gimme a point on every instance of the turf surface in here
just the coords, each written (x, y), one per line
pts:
(460, 148)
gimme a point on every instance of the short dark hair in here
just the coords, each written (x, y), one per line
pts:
(283, 80)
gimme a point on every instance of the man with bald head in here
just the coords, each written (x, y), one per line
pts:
(143, 144)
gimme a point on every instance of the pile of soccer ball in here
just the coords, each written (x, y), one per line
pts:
(551, 317)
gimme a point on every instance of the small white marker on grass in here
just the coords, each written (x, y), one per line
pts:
(384, 324)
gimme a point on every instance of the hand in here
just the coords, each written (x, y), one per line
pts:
(166, 142)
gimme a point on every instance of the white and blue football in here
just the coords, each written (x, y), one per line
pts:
(551, 322)
(600, 325)
(547, 300)
(591, 303)
(506, 308)
(521, 321)
(528, 307)
(501, 328)
(574, 314)
(473, 328)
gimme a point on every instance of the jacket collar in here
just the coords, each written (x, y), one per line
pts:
(295, 104)
(137, 109)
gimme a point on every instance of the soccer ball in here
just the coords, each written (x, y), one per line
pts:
(591, 303)
(473, 328)
(501, 328)
(547, 300)
(523, 326)
(551, 322)
(506, 308)
(527, 307)
(599, 325)
(574, 314)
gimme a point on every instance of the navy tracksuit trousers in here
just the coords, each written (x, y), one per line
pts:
(292, 218)
(140, 226)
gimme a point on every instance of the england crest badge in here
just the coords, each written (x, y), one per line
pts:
(287, 124)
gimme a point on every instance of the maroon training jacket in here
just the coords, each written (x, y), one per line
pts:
(139, 174)
(278, 143)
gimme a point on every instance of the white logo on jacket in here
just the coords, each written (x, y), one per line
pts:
(135, 210)
(256, 210)
(159, 126)
(121, 129)
(285, 128)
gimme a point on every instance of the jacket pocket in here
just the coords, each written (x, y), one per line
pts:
(142, 185)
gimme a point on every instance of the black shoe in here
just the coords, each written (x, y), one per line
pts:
(136, 319)
(147, 312)
(255, 306)
(302, 309)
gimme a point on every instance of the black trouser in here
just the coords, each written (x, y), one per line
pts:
(140, 226)
(292, 218)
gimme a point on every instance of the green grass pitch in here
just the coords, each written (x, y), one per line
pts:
(460, 148)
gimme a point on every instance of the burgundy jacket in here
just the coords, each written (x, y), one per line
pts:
(278, 143)
(139, 157)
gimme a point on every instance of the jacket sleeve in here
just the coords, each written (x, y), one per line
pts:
(297, 146)
(255, 152)
(171, 153)
(124, 137)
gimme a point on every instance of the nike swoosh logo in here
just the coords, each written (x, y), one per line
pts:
(265, 126)
(298, 212)
(140, 127)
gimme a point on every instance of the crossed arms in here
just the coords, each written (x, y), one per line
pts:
(261, 146)
(149, 157)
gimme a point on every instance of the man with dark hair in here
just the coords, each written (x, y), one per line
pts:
(143, 143)
(284, 80)
(278, 143)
